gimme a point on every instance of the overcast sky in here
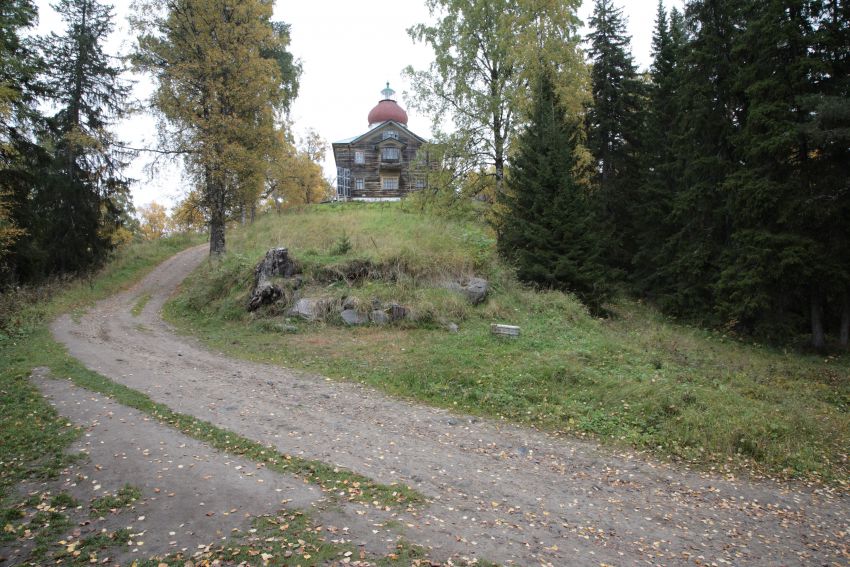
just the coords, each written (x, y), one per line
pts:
(349, 50)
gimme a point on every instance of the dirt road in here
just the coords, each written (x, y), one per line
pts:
(504, 493)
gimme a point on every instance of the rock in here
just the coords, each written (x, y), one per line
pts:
(352, 317)
(452, 327)
(348, 303)
(376, 304)
(398, 312)
(511, 331)
(379, 317)
(476, 290)
(311, 309)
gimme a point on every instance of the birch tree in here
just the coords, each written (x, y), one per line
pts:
(487, 53)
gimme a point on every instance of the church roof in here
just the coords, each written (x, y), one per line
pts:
(387, 110)
(376, 127)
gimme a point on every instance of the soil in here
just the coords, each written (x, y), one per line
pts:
(504, 493)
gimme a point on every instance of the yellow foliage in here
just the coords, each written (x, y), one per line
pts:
(294, 178)
(188, 215)
(9, 233)
(219, 88)
(154, 221)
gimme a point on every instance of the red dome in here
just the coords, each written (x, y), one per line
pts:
(387, 110)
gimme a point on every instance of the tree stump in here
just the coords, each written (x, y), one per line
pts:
(276, 264)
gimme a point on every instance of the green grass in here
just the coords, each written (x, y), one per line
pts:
(292, 538)
(635, 380)
(124, 498)
(140, 305)
(40, 518)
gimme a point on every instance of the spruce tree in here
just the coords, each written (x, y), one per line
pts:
(614, 122)
(773, 267)
(828, 130)
(80, 198)
(655, 192)
(548, 230)
(20, 156)
(710, 109)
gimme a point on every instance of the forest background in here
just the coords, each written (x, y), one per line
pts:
(715, 185)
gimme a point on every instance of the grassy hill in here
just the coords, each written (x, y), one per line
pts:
(633, 380)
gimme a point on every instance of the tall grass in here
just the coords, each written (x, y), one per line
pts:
(634, 380)
(380, 233)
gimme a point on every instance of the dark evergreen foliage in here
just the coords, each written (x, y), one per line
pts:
(69, 194)
(827, 129)
(745, 190)
(84, 193)
(772, 264)
(549, 232)
(654, 196)
(20, 65)
(710, 109)
(614, 123)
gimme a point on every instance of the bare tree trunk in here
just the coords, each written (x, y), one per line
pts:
(818, 338)
(499, 156)
(218, 214)
(217, 243)
(497, 125)
(844, 337)
(253, 212)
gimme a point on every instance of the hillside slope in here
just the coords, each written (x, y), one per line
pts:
(633, 380)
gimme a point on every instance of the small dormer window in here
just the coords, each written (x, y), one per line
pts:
(389, 135)
(359, 157)
(389, 154)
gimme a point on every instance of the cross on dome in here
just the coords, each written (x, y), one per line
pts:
(388, 92)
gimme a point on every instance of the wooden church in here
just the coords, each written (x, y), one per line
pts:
(382, 164)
